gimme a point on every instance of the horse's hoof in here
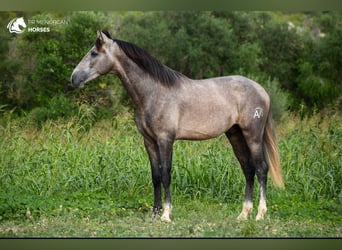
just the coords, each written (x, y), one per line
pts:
(165, 219)
(242, 217)
(260, 216)
(156, 211)
(246, 210)
(261, 212)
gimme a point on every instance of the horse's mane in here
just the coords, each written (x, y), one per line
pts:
(148, 63)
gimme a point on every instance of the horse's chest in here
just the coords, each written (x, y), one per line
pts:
(143, 122)
(154, 125)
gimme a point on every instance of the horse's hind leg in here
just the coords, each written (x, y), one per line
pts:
(256, 148)
(243, 155)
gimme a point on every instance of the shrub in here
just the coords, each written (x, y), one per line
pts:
(316, 91)
(58, 107)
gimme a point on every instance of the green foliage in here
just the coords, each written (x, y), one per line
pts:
(58, 106)
(315, 90)
(63, 174)
(197, 44)
(110, 158)
(311, 158)
(45, 62)
(301, 50)
(281, 48)
(331, 54)
(98, 215)
(78, 169)
(251, 51)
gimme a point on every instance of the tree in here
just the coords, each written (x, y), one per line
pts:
(198, 44)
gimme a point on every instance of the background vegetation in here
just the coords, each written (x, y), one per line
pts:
(299, 53)
(73, 164)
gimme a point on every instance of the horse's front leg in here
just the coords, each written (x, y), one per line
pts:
(165, 152)
(153, 154)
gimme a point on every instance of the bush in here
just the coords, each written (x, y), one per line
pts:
(314, 89)
(198, 44)
(305, 59)
(58, 107)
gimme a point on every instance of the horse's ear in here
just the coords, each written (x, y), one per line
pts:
(103, 36)
(99, 35)
(106, 33)
(99, 41)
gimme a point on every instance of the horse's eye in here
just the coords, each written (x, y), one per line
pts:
(93, 53)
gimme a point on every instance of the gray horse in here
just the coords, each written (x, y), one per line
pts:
(170, 106)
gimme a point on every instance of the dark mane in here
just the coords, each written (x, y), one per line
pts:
(151, 65)
(146, 62)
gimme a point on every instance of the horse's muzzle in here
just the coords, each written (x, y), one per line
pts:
(77, 79)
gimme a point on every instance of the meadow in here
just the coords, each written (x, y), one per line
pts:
(65, 179)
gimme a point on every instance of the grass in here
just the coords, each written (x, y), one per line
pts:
(191, 218)
(63, 181)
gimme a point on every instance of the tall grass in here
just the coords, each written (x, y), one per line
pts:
(61, 159)
(311, 153)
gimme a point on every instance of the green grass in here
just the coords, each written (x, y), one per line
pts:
(63, 181)
(191, 218)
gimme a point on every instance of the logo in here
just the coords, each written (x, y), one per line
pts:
(16, 25)
(258, 113)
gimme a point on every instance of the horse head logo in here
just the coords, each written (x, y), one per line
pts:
(14, 26)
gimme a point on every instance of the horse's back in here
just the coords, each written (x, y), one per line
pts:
(237, 83)
(234, 90)
(247, 93)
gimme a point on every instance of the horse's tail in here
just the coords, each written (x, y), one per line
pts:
(271, 153)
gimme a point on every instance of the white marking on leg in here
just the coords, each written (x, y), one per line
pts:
(246, 210)
(166, 213)
(262, 209)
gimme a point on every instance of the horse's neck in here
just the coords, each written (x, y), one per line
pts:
(138, 84)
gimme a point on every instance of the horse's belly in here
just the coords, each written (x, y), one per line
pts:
(203, 128)
(206, 111)
(196, 134)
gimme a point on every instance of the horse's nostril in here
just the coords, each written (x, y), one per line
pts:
(74, 80)
(78, 79)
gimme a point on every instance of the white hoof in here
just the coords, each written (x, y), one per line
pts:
(165, 218)
(243, 216)
(246, 210)
(166, 214)
(261, 214)
(262, 209)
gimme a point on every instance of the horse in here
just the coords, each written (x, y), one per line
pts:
(170, 106)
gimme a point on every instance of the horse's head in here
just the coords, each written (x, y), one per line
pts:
(98, 61)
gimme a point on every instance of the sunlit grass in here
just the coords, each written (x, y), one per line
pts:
(60, 173)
